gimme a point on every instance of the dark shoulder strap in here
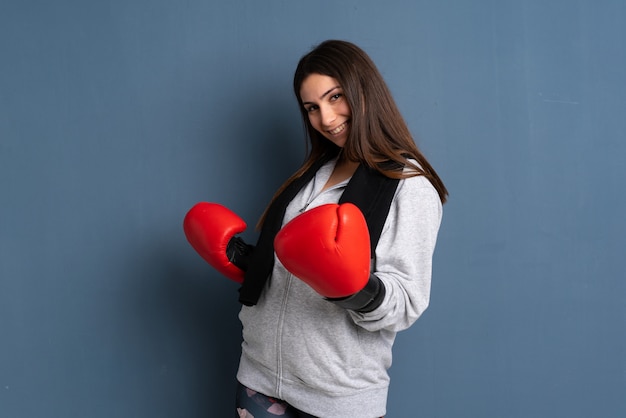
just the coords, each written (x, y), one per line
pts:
(372, 192)
(262, 260)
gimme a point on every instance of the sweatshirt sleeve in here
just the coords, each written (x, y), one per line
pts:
(403, 260)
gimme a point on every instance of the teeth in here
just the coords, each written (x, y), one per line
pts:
(338, 129)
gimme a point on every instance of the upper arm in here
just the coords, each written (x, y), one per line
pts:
(403, 258)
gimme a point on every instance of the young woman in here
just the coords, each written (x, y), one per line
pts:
(344, 257)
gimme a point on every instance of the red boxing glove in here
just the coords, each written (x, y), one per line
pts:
(209, 227)
(327, 247)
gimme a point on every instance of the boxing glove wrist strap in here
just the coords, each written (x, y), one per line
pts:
(239, 253)
(365, 300)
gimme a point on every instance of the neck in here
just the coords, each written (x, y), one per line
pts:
(343, 170)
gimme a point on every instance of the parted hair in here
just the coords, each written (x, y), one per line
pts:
(378, 132)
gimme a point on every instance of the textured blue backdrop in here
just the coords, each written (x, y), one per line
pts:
(116, 116)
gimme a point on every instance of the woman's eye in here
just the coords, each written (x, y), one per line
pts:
(311, 109)
(335, 96)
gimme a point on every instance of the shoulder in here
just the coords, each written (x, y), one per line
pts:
(418, 191)
(417, 182)
(416, 194)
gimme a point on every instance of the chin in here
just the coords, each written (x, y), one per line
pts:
(340, 142)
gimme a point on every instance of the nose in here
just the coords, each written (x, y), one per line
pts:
(328, 115)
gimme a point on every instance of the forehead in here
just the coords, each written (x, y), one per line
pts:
(316, 85)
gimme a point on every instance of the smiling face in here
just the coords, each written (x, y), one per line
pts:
(327, 107)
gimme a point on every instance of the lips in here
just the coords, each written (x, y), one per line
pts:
(339, 129)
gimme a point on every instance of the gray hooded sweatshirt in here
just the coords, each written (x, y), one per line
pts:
(323, 359)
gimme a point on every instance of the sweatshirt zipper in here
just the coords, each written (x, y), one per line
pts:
(283, 307)
(279, 337)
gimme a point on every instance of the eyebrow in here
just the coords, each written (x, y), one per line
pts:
(325, 94)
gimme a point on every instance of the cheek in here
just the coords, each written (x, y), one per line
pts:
(314, 121)
(346, 109)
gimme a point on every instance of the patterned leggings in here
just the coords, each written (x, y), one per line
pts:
(251, 404)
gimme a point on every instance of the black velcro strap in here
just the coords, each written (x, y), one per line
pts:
(367, 299)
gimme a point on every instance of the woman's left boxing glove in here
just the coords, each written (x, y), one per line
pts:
(210, 228)
(328, 247)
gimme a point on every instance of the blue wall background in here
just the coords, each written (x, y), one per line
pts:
(117, 116)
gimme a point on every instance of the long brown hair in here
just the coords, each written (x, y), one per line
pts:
(378, 132)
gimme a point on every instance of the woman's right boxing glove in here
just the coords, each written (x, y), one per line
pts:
(210, 228)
